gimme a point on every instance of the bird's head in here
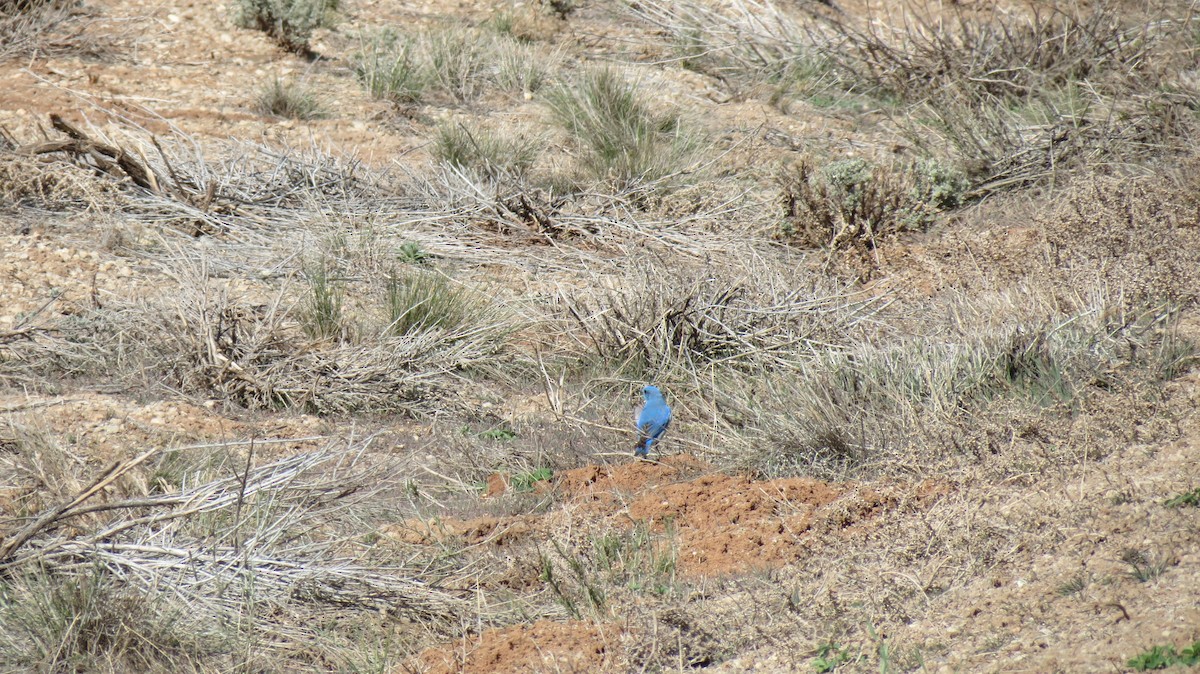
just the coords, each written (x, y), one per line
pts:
(652, 393)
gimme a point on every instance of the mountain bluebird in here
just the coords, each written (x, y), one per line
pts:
(652, 420)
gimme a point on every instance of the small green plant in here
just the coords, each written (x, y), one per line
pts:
(388, 66)
(322, 311)
(524, 482)
(500, 434)
(1142, 567)
(486, 152)
(1162, 657)
(830, 656)
(1187, 498)
(410, 252)
(622, 139)
(292, 100)
(550, 577)
(1073, 586)
(290, 23)
(938, 184)
(639, 558)
(420, 301)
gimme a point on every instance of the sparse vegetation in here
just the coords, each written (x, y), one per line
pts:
(1186, 499)
(921, 286)
(1144, 568)
(293, 100)
(1162, 657)
(290, 23)
(489, 153)
(621, 138)
(584, 578)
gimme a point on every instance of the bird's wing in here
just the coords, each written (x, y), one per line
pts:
(659, 427)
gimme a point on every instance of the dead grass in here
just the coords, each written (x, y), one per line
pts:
(39, 27)
(748, 316)
(1016, 98)
(886, 406)
(156, 567)
(972, 414)
(1135, 238)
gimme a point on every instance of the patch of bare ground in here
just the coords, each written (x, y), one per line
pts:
(539, 647)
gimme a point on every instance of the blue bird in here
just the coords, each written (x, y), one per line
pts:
(652, 420)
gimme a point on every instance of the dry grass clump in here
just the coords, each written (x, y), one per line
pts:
(988, 376)
(620, 137)
(747, 45)
(26, 182)
(489, 153)
(292, 100)
(215, 559)
(89, 620)
(460, 63)
(32, 26)
(749, 317)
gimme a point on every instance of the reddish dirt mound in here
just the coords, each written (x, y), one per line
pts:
(723, 524)
(734, 524)
(599, 483)
(543, 646)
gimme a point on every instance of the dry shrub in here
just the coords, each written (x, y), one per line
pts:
(120, 575)
(994, 51)
(1017, 97)
(31, 26)
(847, 203)
(744, 44)
(1137, 238)
(751, 317)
